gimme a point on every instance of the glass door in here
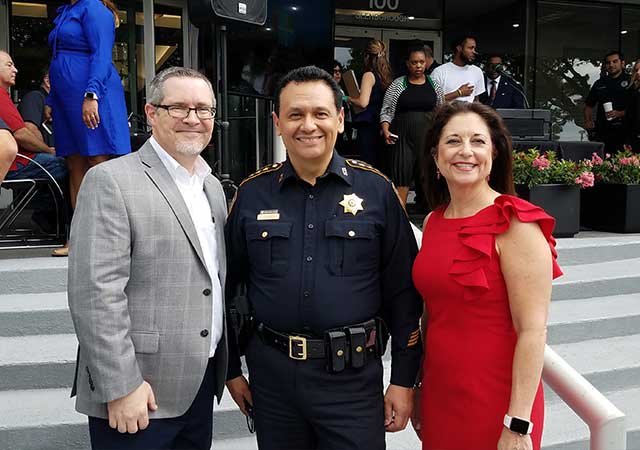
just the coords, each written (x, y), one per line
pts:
(349, 44)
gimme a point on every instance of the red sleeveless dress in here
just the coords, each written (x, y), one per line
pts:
(470, 341)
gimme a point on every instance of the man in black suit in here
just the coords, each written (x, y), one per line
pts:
(501, 91)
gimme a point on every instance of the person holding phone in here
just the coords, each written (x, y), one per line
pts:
(406, 109)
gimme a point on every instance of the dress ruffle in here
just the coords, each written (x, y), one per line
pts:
(478, 234)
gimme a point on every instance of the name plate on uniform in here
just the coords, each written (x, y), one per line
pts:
(269, 214)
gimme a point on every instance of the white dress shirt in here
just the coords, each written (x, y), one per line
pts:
(191, 188)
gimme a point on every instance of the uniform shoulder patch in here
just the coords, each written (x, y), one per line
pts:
(266, 169)
(357, 164)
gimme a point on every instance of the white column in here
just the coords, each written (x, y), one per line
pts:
(149, 43)
(279, 151)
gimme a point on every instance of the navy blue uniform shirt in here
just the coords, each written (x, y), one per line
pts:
(608, 89)
(31, 108)
(309, 265)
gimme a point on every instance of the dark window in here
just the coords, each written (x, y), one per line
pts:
(572, 41)
(630, 34)
(296, 33)
(498, 26)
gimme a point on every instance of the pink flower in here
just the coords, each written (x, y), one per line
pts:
(595, 159)
(626, 161)
(607, 155)
(541, 163)
(585, 179)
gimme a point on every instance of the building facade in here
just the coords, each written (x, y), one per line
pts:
(554, 48)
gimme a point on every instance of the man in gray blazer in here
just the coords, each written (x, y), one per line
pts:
(146, 280)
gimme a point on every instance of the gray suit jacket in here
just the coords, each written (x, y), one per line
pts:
(139, 291)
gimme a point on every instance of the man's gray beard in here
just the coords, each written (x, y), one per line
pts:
(189, 148)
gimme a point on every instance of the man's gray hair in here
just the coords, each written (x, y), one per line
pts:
(155, 96)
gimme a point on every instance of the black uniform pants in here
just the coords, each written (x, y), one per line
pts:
(299, 405)
(613, 138)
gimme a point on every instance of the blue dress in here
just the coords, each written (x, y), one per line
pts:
(81, 44)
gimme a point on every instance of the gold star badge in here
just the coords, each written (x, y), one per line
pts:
(351, 204)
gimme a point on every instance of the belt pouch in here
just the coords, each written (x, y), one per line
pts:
(357, 346)
(336, 342)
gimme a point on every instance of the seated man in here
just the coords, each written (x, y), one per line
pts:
(29, 145)
(34, 112)
(8, 149)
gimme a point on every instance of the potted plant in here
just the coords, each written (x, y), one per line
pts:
(554, 185)
(614, 202)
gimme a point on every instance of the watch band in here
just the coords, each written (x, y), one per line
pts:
(517, 425)
(90, 95)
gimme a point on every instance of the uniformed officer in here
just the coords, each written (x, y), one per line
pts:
(326, 251)
(608, 126)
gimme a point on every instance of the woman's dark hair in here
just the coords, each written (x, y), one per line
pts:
(375, 60)
(418, 47)
(501, 177)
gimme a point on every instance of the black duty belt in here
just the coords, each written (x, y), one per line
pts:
(340, 347)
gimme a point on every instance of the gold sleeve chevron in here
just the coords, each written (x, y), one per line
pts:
(414, 338)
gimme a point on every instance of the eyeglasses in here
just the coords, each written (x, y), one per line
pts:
(182, 112)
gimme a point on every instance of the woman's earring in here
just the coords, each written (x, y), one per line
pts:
(488, 177)
(437, 173)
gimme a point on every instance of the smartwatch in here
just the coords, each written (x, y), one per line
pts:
(90, 96)
(518, 425)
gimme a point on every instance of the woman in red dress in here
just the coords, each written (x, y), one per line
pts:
(485, 271)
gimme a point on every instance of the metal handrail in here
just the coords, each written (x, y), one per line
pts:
(607, 424)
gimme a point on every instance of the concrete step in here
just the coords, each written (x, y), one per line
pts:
(31, 314)
(599, 247)
(45, 419)
(402, 440)
(593, 318)
(598, 280)
(564, 430)
(610, 364)
(33, 275)
(36, 362)
(41, 419)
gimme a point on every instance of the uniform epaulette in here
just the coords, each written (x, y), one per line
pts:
(266, 169)
(357, 164)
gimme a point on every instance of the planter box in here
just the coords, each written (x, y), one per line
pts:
(558, 200)
(611, 207)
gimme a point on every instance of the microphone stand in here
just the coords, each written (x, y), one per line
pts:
(517, 86)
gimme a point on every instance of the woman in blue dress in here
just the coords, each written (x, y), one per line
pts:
(87, 98)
